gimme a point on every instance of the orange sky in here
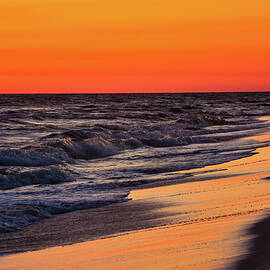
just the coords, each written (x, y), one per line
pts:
(134, 46)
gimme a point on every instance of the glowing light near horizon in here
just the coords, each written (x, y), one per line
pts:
(77, 46)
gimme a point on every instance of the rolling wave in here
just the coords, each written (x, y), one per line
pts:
(60, 153)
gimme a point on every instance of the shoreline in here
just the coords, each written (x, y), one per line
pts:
(153, 208)
(88, 224)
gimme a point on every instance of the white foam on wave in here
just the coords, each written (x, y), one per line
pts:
(106, 142)
(20, 207)
(87, 149)
(11, 178)
(67, 146)
(146, 164)
(33, 157)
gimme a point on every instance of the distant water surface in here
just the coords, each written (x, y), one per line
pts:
(60, 153)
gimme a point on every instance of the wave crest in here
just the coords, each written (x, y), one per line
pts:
(52, 175)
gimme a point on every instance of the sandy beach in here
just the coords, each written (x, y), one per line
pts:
(134, 135)
(205, 223)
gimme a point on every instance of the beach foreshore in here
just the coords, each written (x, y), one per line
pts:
(200, 222)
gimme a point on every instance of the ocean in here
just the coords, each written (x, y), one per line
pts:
(61, 153)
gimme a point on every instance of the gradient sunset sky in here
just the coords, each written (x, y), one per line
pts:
(134, 46)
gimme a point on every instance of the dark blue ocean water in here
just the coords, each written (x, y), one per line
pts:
(61, 153)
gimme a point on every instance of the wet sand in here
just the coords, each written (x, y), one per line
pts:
(206, 224)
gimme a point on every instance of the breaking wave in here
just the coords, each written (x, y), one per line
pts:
(16, 178)
(19, 209)
(63, 153)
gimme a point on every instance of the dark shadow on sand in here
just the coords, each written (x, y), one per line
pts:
(85, 225)
(258, 256)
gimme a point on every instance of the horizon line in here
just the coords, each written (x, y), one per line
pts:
(66, 92)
